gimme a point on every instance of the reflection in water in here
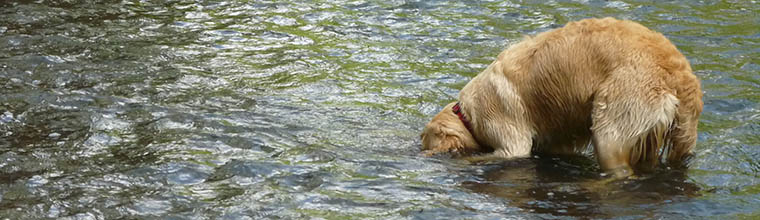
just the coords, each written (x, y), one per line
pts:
(572, 187)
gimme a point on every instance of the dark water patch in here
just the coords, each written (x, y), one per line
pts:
(552, 186)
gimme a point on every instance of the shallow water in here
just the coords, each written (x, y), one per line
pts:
(252, 109)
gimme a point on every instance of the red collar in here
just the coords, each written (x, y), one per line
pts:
(458, 111)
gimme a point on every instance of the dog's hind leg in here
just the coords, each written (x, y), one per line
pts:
(631, 115)
(684, 134)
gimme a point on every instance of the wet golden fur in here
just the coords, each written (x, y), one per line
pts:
(613, 83)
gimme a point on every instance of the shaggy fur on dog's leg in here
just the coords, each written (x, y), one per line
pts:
(631, 126)
(684, 136)
(684, 131)
(684, 139)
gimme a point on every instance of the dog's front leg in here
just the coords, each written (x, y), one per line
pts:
(508, 142)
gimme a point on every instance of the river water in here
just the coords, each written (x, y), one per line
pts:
(312, 109)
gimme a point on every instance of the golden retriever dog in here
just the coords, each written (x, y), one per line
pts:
(612, 84)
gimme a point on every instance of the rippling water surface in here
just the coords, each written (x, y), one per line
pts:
(255, 109)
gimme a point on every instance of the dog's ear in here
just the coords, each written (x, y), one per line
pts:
(453, 144)
(435, 139)
(459, 140)
(439, 139)
(446, 133)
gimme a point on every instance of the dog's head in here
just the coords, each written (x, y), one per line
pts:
(446, 133)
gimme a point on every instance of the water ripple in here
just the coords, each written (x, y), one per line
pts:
(301, 109)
